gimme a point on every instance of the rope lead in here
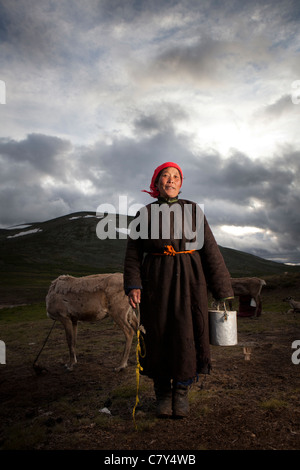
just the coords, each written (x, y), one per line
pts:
(138, 368)
(35, 366)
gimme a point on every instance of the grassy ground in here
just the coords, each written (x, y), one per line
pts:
(242, 405)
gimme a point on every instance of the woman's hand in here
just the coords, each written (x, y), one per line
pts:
(134, 297)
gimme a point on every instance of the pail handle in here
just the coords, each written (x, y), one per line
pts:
(225, 312)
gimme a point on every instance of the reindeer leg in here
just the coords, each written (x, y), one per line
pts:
(74, 325)
(71, 340)
(128, 333)
(258, 307)
(126, 320)
(258, 303)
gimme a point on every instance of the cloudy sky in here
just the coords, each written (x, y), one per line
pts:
(95, 94)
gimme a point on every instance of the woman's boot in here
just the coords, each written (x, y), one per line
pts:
(163, 393)
(180, 401)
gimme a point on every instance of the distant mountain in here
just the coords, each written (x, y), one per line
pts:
(66, 243)
(32, 254)
(70, 243)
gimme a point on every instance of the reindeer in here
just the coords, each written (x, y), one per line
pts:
(91, 298)
(293, 303)
(248, 286)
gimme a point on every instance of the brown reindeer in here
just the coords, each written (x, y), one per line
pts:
(294, 304)
(248, 286)
(91, 298)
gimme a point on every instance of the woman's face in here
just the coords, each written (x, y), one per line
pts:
(169, 183)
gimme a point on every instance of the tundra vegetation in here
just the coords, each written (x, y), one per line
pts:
(243, 404)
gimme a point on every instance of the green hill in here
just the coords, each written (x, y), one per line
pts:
(241, 264)
(32, 255)
(67, 243)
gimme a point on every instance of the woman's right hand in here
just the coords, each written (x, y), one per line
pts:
(134, 297)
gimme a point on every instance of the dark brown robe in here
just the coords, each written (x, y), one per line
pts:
(174, 307)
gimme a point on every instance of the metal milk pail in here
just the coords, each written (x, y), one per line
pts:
(222, 327)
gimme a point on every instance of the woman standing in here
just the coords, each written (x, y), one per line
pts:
(170, 283)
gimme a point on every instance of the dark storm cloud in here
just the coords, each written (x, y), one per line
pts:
(239, 179)
(230, 188)
(162, 119)
(279, 107)
(127, 164)
(45, 154)
(30, 203)
(125, 167)
(131, 84)
(26, 166)
(282, 107)
(118, 10)
(201, 62)
(26, 32)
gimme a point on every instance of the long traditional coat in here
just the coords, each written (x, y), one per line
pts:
(174, 307)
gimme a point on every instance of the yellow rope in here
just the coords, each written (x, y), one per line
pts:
(137, 370)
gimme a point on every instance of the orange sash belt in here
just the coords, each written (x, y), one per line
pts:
(169, 251)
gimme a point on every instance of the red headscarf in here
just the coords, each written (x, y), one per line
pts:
(154, 191)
